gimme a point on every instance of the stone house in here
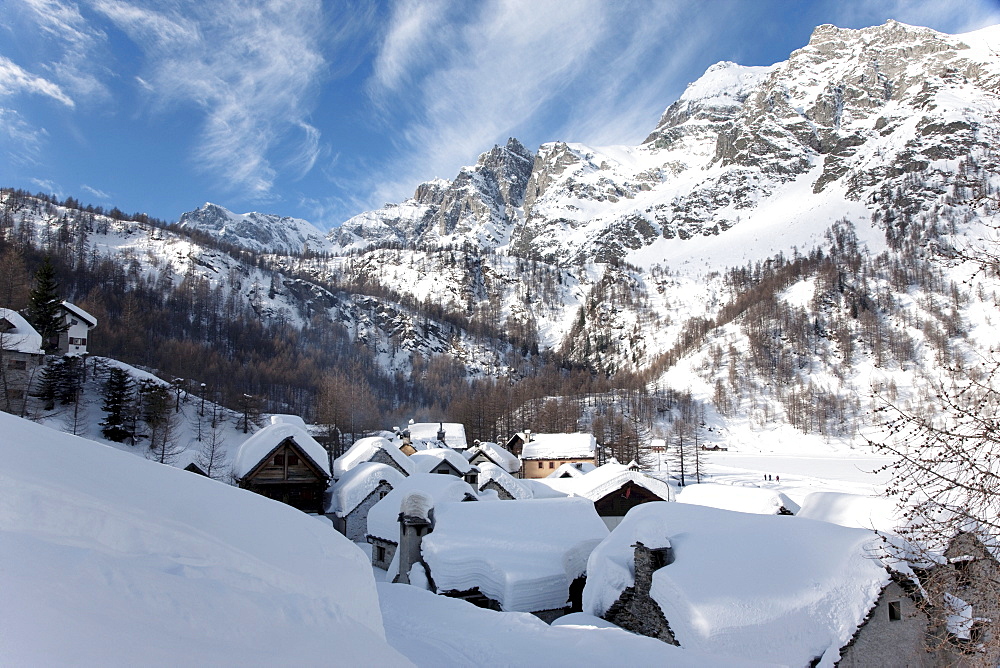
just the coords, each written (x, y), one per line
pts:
(493, 478)
(353, 495)
(484, 452)
(444, 461)
(373, 449)
(383, 517)
(21, 355)
(806, 592)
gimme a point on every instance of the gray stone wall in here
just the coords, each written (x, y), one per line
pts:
(388, 548)
(502, 493)
(17, 371)
(635, 610)
(383, 457)
(885, 641)
(356, 522)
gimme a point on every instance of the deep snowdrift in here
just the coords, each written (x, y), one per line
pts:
(109, 559)
(777, 589)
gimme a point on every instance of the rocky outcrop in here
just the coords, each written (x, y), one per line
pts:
(478, 207)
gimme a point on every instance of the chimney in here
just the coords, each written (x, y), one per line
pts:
(416, 520)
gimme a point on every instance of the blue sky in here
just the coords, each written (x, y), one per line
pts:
(322, 110)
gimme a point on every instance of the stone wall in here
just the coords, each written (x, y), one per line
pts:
(635, 610)
(893, 634)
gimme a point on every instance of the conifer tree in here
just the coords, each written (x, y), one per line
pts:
(43, 306)
(119, 390)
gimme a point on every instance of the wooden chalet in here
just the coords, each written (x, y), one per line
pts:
(283, 462)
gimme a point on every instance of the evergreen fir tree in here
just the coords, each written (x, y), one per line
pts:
(48, 384)
(70, 380)
(118, 393)
(43, 306)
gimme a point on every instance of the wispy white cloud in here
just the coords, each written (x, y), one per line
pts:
(48, 187)
(415, 31)
(99, 194)
(14, 79)
(22, 141)
(252, 68)
(494, 65)
(475, 73)
(71, 44)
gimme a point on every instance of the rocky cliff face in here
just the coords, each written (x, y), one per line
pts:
(478, 207)
(847, 118)
(856, 109)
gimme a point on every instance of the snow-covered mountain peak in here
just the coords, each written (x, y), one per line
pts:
(479, 207)
(259, 232)
(844, 115)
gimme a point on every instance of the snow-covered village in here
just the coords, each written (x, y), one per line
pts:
(717, 389)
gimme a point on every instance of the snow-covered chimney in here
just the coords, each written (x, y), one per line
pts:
(416, 519)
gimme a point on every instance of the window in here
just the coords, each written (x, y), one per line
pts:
(541, 465)
(978, 631)
(17, 365)
(75, 341)
(293, 460)
(894, 611)
(552, 465)
(962, 576)
(379, 553)
(383, 494)
(279, 460)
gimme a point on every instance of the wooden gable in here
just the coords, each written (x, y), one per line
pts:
(623, 499)
(287, 463)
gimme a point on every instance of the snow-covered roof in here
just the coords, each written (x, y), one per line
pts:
(454, 433)
(559, 446)
(779, 589)
(852, 510)
(364, 449)
(607, 478)
(742, 499)
(20, 337)
(182, 553)
(425, 460)
(572, 470)
(497, 454)
(440, 630)
(383, 518)
(287, 418)
(491, 472)
(258, 446)
(90, 320)
(355, 485)
(523, 555)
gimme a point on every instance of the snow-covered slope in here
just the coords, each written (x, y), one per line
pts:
(112, 560)
(259, 232)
